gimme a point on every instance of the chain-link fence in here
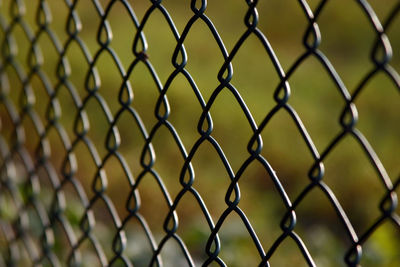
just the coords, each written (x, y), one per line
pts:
(308, 126)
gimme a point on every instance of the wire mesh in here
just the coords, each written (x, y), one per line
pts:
(86, 106)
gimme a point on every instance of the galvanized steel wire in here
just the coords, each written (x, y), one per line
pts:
(32, 228)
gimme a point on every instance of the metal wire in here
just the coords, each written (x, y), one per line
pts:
(34, 225)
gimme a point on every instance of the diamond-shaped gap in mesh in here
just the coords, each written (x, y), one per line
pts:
(348, 51)
(181, 14)
(154, 204)
(237, 246)
(32, 128)
(261, 201)
(46, 176)
(10, 112)
(59, 144)
(8, 215)
(205, 57)
(228, 116)
(288, 253)
(139, 7)
(22, 257)
(4, 242)
(41, 24)
(85, 15)
(13, 84)
(283, 145)
(64, 240)
(71, 215)
(13, 110)
(145, 93)
(139, 247)
(58, 13)
(106, 223)
(317, 100)
(75, 66)
(185, 108)
(287, 44)
(99, 118)
(22, 41)
(15, 174)
(255, 76)
(132, 136)
(49, 56)
(6, 123)
(12, 198)
(376, 101)
(194, 228)
(119, 183)
(40, 89)
(221, 17)
(172, 254)
(92, 253)
(69, 101)
(349, 172)
(158, 31)
(212, 179)
(110, 82)
(33, 230)
(30, 13)
(12, 253)
(321, 228)
(5, 4)
(386, 236)
(169, 158)
(87, 166)
(121, 13)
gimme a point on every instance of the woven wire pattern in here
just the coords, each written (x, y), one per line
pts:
(72, 197)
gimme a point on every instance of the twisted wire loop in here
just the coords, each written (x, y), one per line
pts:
(49, 140)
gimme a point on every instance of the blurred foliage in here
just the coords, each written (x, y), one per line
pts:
(347, 39)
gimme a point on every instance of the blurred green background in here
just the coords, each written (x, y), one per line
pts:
(347, 40)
